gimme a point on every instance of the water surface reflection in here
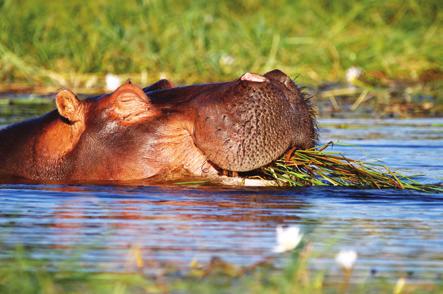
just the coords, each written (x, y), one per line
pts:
(395, 232)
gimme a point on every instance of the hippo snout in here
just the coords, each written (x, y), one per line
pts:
(254, 121)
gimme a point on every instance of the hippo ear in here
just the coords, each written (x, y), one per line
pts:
(131, 105)
(69, 106)
(159, 85)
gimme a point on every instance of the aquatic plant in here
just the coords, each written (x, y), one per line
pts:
(318, 167)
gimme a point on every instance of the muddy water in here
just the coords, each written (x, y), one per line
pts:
(395, 233)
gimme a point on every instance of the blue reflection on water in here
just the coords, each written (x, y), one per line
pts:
(393, 231)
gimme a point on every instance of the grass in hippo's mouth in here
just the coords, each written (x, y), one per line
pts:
(319, 167)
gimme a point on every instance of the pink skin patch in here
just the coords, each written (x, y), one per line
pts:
(253, 78)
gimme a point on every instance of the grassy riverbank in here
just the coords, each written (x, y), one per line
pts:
(76, 43)
(22, 274)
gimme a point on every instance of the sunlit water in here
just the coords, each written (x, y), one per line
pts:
(396, 233)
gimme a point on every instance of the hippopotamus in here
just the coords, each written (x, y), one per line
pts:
(161, 132)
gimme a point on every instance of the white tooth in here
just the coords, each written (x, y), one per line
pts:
(253, 78)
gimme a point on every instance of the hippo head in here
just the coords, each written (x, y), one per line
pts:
(161, 131)
(246, 124)
(237, 126)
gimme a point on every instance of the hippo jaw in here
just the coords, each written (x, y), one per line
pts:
(174, 152)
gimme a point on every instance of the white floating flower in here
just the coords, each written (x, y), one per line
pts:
(346, 258)
(353, 73)
(287, 238)
(112, 82)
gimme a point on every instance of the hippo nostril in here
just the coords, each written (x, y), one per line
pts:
(253, 78)
(289, 83)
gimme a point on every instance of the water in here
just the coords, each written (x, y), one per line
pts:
(395, 233)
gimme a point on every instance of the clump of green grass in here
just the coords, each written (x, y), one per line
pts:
(318, 167)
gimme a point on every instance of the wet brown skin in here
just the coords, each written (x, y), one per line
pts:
(162, 132)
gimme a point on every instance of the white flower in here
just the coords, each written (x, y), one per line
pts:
(346, 258)
(353, 73)
(227, 59)
(287, 238)
(399, 285)
(112, 82)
